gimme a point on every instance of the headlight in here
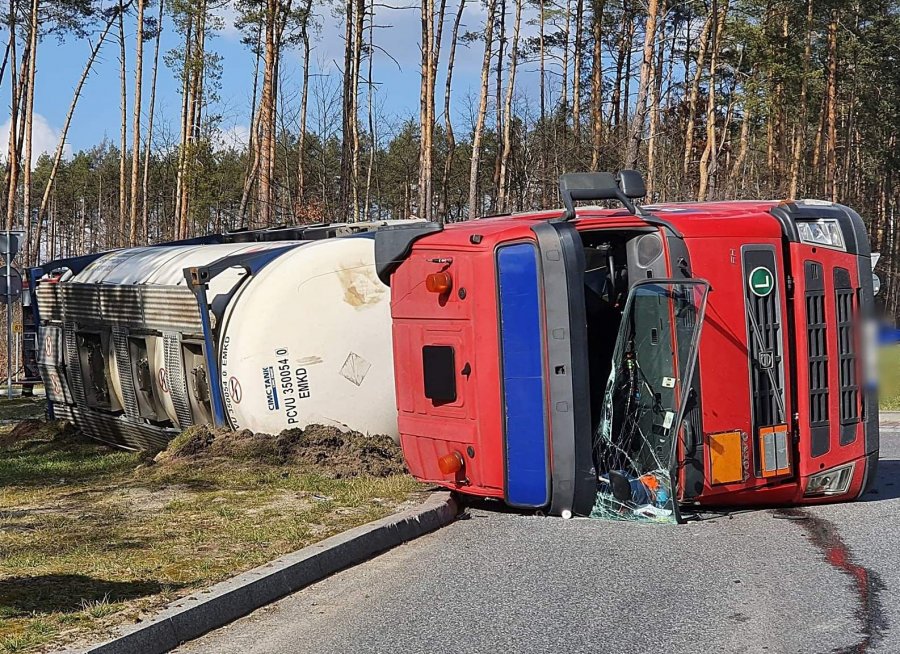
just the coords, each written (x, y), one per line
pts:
(822, 232)
(830, 482)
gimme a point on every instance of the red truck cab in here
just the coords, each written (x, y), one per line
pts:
(614, 361)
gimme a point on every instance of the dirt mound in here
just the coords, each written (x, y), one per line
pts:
(39, 430)
(327, 449)
(344, 453)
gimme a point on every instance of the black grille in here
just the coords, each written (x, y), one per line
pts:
(845, 306)
(766, 369)
(764, 338)
(817, 357)
(764, 344)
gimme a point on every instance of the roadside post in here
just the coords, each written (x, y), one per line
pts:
(10, 292)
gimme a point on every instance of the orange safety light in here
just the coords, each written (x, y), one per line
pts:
(440, 282)
(451, 463)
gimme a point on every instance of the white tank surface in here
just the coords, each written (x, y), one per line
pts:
(305, 339)
(164, 265)
(308, 340)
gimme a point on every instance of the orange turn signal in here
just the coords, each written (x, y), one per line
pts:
(440, 282)
(451, 463)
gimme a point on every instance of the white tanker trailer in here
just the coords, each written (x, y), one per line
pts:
(263, 330)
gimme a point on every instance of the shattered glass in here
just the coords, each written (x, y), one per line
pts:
(635, 444)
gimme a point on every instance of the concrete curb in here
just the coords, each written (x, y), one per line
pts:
(194, 615)
(889, 418)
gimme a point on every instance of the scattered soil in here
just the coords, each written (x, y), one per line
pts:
(39, 430)
(326, 449)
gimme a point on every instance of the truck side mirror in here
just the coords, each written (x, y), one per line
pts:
(631, 182)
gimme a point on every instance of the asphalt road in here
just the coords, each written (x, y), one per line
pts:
(828, 581)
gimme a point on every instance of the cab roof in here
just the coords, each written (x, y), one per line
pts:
(751, 218)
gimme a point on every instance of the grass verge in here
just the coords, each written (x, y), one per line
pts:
(889, 387)
(92, 537)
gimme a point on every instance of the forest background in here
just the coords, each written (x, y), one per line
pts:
(174, 118)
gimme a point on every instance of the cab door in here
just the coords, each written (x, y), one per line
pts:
(646, 397)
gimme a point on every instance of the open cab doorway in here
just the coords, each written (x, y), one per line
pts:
(638, 332)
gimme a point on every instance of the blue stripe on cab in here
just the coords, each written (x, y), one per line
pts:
(527, 465)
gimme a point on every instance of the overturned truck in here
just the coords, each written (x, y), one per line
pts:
(631, 362)
(264, 330)
(616, 362)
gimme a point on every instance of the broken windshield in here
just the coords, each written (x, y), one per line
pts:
(635, 443)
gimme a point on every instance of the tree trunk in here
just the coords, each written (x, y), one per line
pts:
(737, 171)
(474, 205)
(197, 68)
(655, 92)
(187, 65)
(354, 122)
(502, 202)
(498, 103)
(5, 62)
(136, 126)
(28, 255)
(347, 111)
(694, 95)
(597, 84)
(370, 87)
(543, 104)
(23, 95)
(253, 138)
(708, 160)
(123, 140)
(576, 73)
(640, 113)
(800, 128)
(267, 105)
(624, 49)
(626, 95)
(564, 84)
(448, 123)
(12, 175)
(145, 183)
(426, 102)
(304, 103)
(831, 110)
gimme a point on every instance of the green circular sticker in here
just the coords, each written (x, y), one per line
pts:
(761, 281)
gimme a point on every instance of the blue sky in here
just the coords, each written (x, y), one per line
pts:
(395, 71)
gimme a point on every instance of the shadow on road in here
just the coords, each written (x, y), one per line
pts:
(887, 483)
(887, 487)
(489, 504)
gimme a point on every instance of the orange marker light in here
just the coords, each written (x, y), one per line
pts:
(451, 463)
(440, 282)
